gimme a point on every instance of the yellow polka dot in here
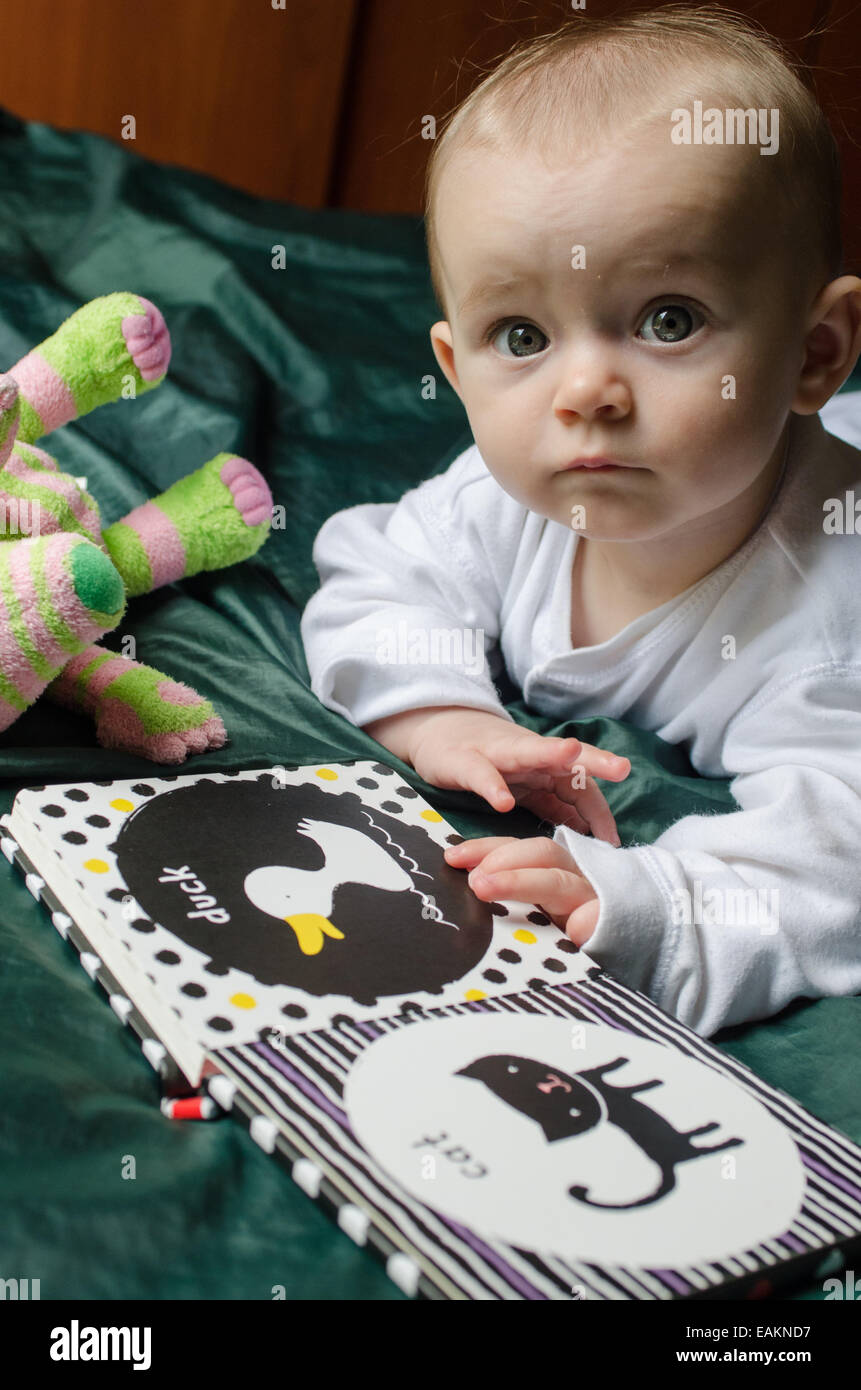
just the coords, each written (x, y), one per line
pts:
(122, 805)
(243, 1001)
(327, 774)
(96, 866)
(527, 937)
(475, 994)
(431, 815)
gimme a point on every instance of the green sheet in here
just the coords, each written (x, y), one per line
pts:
(313, 371)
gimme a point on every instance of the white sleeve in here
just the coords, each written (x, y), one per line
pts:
(406, 608)
(726, 918)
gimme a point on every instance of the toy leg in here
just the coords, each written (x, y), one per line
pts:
(206, 521)
(115, 344)
(138, 708)
(57, 593)
(36, 499)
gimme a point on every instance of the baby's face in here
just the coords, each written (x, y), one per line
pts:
(674, 351)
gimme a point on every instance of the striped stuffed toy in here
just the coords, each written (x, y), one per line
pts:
(63, 581)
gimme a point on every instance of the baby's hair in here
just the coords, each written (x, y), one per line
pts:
(578, 80)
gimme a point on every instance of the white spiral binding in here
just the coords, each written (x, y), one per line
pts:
(8, 847)
(35, 884)
(121, 1006)
(307, 1175)
(222, 1091)
(355, 1222)
(404, 1272)
(155, 1053)
(264, 1133)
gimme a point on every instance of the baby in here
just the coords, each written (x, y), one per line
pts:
(633, 231)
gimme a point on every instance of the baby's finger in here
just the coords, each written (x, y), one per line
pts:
(555, 809)
(470, 852)
(592, 806)
(476, 773)
(531, 751)
(536, 852)
(601, 763)
(582, 922)
(556, 891)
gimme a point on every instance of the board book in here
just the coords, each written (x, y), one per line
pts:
(468, 1093)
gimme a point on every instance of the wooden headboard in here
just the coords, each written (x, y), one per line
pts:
(320, 102)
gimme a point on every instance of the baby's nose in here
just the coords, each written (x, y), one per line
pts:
(8, 391)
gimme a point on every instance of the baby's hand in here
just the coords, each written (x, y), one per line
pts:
(509, 765)
(535, 871)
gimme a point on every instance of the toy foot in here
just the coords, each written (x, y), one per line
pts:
(115, 339)
(206, 521)
(137, 708)
(147, 340)
(57, 593)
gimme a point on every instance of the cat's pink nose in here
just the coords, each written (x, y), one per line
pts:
(8, 391)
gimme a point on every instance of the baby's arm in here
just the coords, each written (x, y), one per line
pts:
(396, 636)
(451, 746)
(727, 918)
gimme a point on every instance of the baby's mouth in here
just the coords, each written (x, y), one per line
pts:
(595, 464)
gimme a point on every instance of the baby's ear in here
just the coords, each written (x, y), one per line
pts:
(832, 345)
(10, 411)
(443, 350)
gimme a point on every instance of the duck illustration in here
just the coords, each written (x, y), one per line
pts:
(372, 909)
(303, 897)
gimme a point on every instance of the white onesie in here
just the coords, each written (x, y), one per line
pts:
(755, 671)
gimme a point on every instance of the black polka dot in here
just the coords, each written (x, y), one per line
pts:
(408, 792)
(497, 910)
(98, 821)
(510, 957)
(168, 957)
(52, 810)
(495, 977)
(455, 839)
(194, 991)
(212, 969)
(77, 794)
(102, 784)
(556, 965)
(538, 919)
(381, 770)
(143, 924)
(394, 808)
(294, 1011)
(221, 1025)
(143, 789)
(117, 895)
(367, 782)
(566, 944)
(74, 837)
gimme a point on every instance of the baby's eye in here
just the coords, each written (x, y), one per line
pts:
(669, 323)
(519, 339)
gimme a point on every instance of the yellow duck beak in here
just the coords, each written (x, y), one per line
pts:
(310, 929)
